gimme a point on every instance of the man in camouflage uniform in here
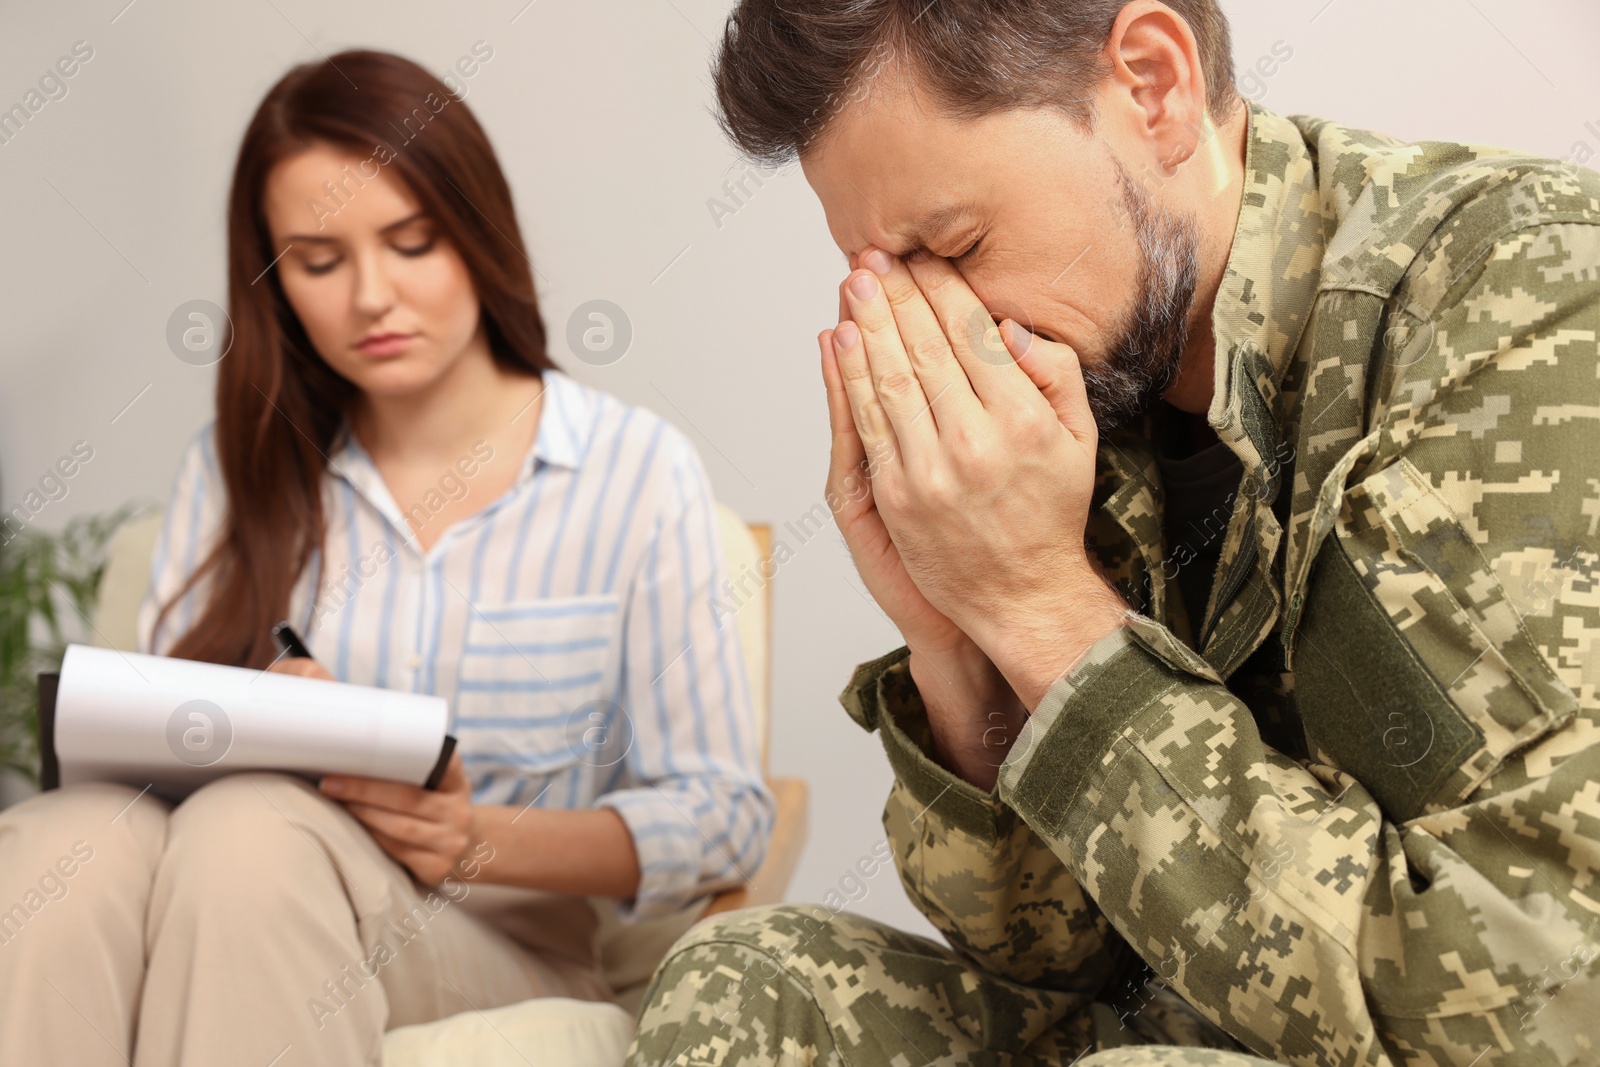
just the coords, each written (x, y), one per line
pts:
(1348, 812)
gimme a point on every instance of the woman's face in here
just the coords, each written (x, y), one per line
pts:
(379, 289)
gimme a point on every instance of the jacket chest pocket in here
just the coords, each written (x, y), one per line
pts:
(530, 684)
(1415, 673)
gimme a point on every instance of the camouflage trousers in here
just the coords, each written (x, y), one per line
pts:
(794, 985)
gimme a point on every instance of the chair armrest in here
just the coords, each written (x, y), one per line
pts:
(771, 880)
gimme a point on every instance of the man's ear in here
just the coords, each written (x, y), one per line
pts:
(1156, 63)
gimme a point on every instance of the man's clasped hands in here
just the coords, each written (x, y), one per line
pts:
(978, 445)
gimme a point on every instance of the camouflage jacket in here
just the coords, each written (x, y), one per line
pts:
(1361, 825)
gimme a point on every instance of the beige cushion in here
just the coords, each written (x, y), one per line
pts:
(741, 558)
(554, 1030)
(123, 585)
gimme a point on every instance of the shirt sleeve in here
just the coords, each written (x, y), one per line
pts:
(1422, 896)
(979, 873)
(194, 515)
(700, 811)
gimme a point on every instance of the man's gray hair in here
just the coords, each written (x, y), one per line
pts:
(787, 67)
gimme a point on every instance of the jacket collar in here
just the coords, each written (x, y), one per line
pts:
(1267, 291)
(1262, 306)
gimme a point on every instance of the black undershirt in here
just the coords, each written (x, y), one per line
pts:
(1200, 486)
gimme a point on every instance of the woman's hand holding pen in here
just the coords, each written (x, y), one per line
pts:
(305, 668)
(427, 830)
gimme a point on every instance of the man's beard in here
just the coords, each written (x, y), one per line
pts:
(1148, 350)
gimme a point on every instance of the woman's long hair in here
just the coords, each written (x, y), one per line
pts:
(279, 405)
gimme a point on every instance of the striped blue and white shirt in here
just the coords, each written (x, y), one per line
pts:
(570, 625)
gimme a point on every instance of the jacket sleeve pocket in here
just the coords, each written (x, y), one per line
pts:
(1416, 673)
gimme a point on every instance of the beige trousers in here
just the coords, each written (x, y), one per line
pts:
(257, 923)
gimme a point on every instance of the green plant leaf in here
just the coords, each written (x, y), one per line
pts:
(49, 585)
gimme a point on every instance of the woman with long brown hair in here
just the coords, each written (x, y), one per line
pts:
(397, 467)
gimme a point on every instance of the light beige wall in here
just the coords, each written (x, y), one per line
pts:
(113, 206)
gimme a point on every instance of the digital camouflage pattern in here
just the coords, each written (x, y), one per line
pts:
(1361, 825)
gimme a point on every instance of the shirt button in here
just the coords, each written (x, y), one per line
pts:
(413, 661)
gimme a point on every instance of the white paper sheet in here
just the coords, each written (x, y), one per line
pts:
(175, 724)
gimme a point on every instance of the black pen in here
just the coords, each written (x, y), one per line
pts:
(290, 641)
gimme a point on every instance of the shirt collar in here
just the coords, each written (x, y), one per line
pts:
(566, 424)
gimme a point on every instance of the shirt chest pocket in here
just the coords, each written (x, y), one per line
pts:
(1414, 671)
(533, 681)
